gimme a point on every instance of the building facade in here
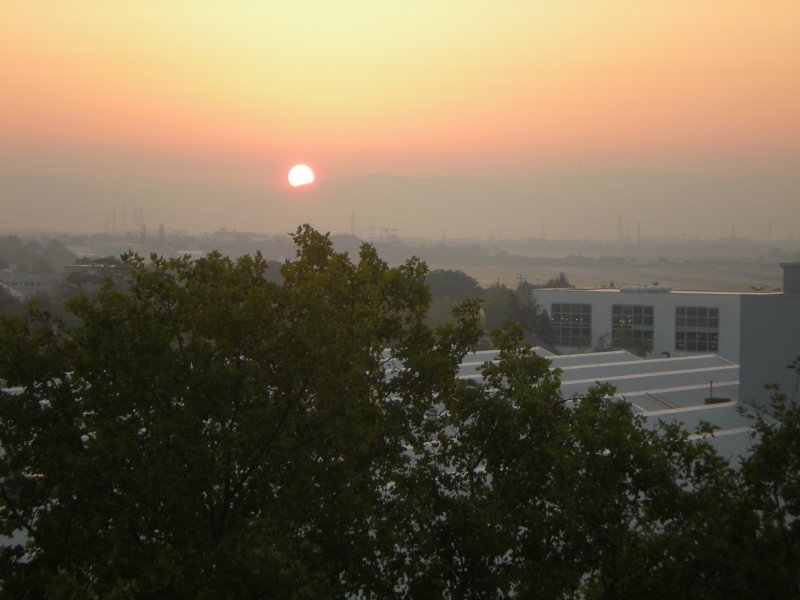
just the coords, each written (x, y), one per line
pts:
(26, 285)
(770, 340)
(648, 320)
(759, 331)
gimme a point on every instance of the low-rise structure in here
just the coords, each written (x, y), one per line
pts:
(26, 285)
(648, 320)
(760, 331)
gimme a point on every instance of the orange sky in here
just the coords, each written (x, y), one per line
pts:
(239, 90)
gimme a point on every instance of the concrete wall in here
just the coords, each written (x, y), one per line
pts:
(770, 340)
(791, 278)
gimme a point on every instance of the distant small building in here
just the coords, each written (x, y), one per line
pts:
(27, 285)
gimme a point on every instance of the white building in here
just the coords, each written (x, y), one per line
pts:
(26, 285)
(770, 340)
(759, 331)
(650, 320)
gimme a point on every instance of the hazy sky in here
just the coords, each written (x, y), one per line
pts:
(241, 90)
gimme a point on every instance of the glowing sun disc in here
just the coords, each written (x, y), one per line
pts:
(300, 175)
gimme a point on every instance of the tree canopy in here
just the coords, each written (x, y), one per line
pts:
(207, 432)
(499, 304)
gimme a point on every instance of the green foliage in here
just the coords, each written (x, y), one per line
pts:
(9, 305)
(771, 475)
(33, 256)
(503, 305)
(207, 432)
(500, 305)
(446, 283)
(448, 289)
(560, 281)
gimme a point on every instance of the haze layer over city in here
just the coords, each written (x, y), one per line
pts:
(451, 120)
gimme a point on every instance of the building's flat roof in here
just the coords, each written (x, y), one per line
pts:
(671, 389)
(647, 293)
(658, 383)
(680, 397)
(733, 436)
(570, 361)
(471, 365)
(677, 387)
(661, 389)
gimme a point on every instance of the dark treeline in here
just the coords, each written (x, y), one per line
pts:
(34, 256)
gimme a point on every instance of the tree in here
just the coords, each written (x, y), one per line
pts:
(41, 266)
(538, 495)
(771, 478)
(42, 258)
(449, 288)
(9, 305)
(209, 433)
(457, 285)
(556, 282)
(503, 305)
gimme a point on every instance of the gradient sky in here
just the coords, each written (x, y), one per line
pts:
(240, 90)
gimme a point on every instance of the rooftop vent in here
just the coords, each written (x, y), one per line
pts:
(717, 400)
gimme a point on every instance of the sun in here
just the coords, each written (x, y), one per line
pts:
(300, 175)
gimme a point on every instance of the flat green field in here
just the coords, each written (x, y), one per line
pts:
(743, 277)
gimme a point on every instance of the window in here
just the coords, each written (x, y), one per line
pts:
(572, 324)
(632, 327)
(697, 328)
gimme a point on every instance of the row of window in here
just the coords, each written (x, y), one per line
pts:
(696, 327)
(696, 316)
(572, 324)
(15, 284)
